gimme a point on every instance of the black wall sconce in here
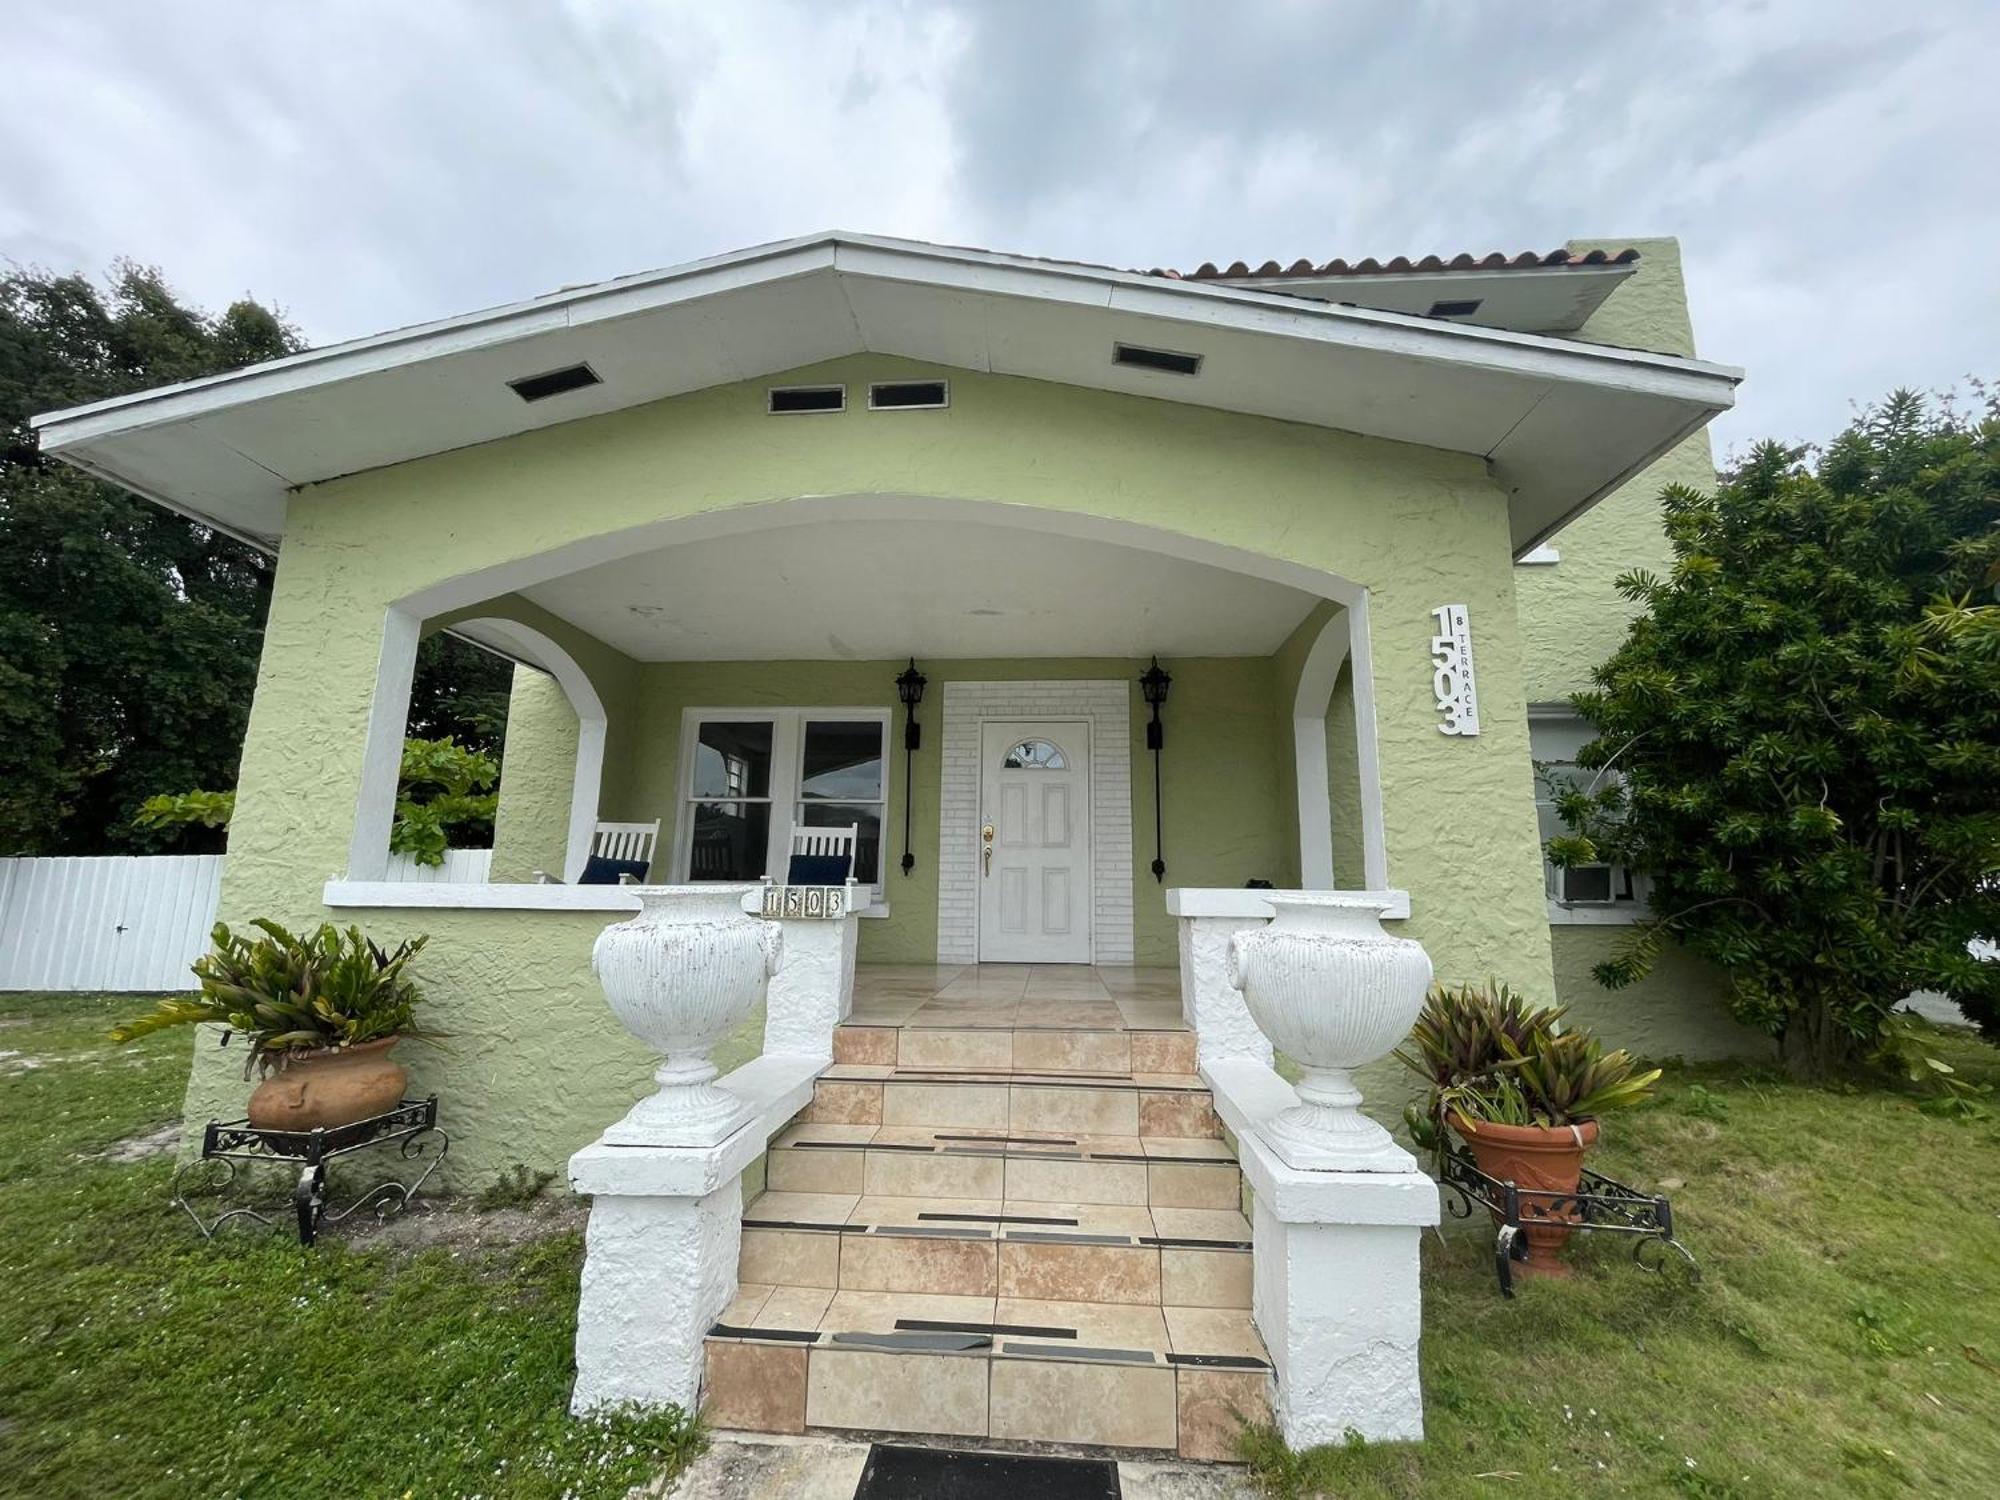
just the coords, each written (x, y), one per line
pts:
(910, 689)
(1154, 682)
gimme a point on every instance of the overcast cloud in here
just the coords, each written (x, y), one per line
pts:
(1829, 167)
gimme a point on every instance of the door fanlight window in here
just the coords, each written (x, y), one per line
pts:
(1035, 755)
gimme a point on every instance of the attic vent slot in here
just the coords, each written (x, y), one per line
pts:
(1143, 358)
(797, 398)
(907, 395)
(1463, 309)
(554, 382)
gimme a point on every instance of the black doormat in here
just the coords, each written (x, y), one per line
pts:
(943, 1474)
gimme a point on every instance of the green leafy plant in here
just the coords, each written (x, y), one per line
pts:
(291, 993)
(1799, 739)
(516, 1187)
(1488, 1054)
(444, 796)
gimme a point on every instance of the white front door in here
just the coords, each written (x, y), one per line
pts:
(1034, 829)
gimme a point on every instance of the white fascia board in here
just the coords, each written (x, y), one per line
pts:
(972, 270)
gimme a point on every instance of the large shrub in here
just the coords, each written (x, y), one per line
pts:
(1799, 741)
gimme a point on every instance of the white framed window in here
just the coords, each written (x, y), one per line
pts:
(1582, 894)
(749, 776)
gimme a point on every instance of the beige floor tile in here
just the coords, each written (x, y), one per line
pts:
(864, 1044)
(1098, 1325)
(1078, 1181)
(796, 1307)
(755, 1387)
(1123, 1406)
(910, 1174)
(898, 1263)
(904, 1212)
(1214, 1407)
(1202, 1224)
(1208, 1148)
(1205, 1278)
(1091, 1218)
(965, 1017)
(839, 1135)
(1087, 1110)
(1162, 1051)
(1072, 1052)
(1213, 1330)
(979, 1106)
(875, 1391)
(743, 1307)
(1183, 1185)
(802, 1208)
(878, 1312)
(986, 1050)
(815, 1170)
(846, 1104)
(1177, 1114)
(1054, 1272)
(789, 1257)
(858, 1073)
(1185, 1081)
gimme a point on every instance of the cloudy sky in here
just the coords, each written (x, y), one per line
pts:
(1829, 166)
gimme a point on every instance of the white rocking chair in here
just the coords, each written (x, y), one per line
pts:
(819, 842)
(624, 841)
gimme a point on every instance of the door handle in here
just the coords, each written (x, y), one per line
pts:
(986, 839)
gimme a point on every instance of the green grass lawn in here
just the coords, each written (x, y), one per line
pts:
(1844, 1341)
(1844, 1338)
(136, 1360)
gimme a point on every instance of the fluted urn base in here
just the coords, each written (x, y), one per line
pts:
(1326, 1131)
(689, 1110)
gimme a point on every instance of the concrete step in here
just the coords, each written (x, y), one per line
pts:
(1025, 1049)
(982, 1247)
(1161, 1378)
(952, 1162)
(1016, 1102)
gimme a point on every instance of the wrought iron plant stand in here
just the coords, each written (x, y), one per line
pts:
(1600, 1204)
(411, 1127)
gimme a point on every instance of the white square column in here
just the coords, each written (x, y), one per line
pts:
(813, 990)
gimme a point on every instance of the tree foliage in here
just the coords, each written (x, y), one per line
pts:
(1799, 739)
(128, 635)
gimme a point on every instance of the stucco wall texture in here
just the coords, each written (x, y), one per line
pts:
(535, 1066)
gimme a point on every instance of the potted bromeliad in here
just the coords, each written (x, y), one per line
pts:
(1522, 1091)
(320, 1011)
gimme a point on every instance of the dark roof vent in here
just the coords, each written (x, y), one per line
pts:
(1462, 309)
(1140, 357)
(908, 395)
(554, 382)
(785, 399)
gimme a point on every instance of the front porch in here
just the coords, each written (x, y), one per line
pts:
(1076, 997)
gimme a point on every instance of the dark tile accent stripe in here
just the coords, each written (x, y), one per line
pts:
(901, 1146)
(1009, 1140)
(930, 1231)
(777, 1335)
(1219, 1361)
(933, 1343)
(825, 1146)
(1166, 1242)
(996, 1218)
(1078, 1351)
(1192, 1161)
(1046, 1237)
(1027, 1330)
(796, 1224)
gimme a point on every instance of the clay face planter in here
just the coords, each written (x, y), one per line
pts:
(1538, 1158)
(681, 976)
(337, 1086)
(1330, 988)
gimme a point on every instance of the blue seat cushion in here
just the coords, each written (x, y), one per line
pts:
(602, 871)
(817, 869)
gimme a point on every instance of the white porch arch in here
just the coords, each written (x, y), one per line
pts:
(368, 854)
(460, 598)
(1343, 638)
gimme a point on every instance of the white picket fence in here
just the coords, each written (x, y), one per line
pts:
(134, 923)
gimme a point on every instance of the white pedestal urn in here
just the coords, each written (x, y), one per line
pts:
(1330, 988)
(681, 976)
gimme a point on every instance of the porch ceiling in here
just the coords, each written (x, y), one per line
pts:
(1561, 422)
(865, 590)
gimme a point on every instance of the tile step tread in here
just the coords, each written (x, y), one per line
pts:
(1179, 1083)
(1001, 1219)
(1009, 1150)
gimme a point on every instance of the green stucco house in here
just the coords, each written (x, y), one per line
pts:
(1365, 517)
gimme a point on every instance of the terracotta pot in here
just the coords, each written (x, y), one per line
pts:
(1540, 1158)
(337, 1086)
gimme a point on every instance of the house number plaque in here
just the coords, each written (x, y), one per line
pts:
(1451, 671)
(808, 902)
